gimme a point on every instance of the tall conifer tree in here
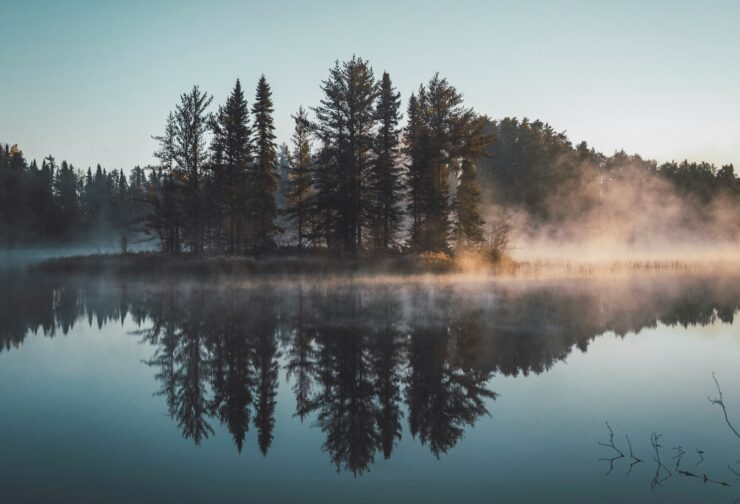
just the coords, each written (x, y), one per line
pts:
(345, 121)
(444, 133)
(232, 149)
(469, 223)
(299, 178)
(385, 178)
(192, 123)
(264, 183)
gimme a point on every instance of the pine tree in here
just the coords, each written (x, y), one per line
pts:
(121, 199)
(232, 151)
(299, 180)
(344, 126)
(12, 206)
(192, 122)
(164, 219)
(264, 181)
(47, 215)
(385, 178)
(445, 133)
(469, 223)
(414, 150)
(283, 173)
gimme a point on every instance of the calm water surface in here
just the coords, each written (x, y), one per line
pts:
(369, 391)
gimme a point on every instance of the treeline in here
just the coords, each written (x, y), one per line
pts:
(351, 179)
(357, 176)
(55, 203)
(530, 166)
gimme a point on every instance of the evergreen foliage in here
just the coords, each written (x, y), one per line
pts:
(354, 179)
(300, 186)
(264, 182)
(469, 223)
(386, 183)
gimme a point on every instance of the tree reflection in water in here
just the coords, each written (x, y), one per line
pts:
(361, 358)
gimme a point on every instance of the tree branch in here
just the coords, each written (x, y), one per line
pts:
(720, 402)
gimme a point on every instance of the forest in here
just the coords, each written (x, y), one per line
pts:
(361, 174)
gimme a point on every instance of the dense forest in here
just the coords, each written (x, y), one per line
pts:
(361, 174)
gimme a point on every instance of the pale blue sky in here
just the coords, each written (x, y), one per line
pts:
(91, 81)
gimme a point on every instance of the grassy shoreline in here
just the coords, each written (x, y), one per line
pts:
(161, 264)
(149, 263)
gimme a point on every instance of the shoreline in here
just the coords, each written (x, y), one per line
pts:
(468, 267)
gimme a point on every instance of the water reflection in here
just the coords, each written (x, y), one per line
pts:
(362, 359)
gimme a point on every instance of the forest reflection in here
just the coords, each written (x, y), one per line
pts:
(362, 360)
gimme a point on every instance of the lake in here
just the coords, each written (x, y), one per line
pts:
(425, 389)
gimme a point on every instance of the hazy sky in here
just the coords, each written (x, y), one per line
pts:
(91, 80)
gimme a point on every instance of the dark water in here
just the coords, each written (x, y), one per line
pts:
(369, 391)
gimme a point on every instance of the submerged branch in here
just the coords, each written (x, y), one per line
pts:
(680, 452)
(657, 480)
(701, 456)
(721, 402)
(635, 460)
(733, 471)
(611, 445)
(704, 478)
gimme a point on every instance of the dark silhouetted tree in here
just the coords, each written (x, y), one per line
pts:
(300, 185)
(191, 124)
(469, 223)
(264, 181)
(345, 123)
(386, 173)
(232, 157)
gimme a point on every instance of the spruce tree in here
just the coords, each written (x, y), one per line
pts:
(345, 121)
(264, 181)
(385, 178)
(414, 150)
(283, 173)
(192, 122)
(47, 214)
(299, 178)
(469, 223)
(120, 202)
(232, 153)
(446, 133)
(12, 204)
(165, 219)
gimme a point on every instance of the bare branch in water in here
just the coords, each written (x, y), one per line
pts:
(701, 456)
(657, 480)
(721, 402)
(635, 460)
(611, 440)
(611, 445)
(704, 478)
(733, 471)
(680, 452)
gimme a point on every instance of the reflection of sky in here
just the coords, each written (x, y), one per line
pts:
(79, 418)
(90, 81)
